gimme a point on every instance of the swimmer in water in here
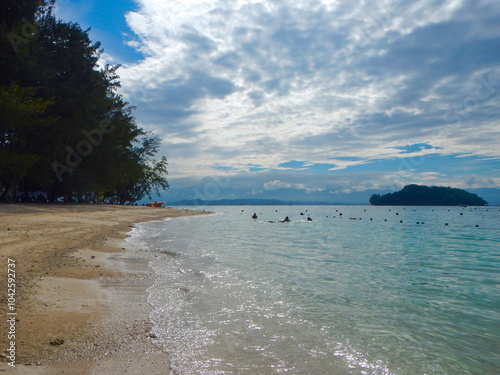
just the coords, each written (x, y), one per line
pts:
(254, 216)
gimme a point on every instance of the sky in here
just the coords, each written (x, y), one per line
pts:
(315, 100)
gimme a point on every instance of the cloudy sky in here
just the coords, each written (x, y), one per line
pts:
(309, 99)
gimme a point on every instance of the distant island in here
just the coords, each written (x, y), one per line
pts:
(419, 195)
(248, 202)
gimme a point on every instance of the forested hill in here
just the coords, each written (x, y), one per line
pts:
(249, 202)
(416, 195)
(64, 128)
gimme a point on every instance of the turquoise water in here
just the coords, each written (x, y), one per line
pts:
(359, 290)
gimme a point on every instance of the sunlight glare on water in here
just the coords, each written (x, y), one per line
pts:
(359, 290)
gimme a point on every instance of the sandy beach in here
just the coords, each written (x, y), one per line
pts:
(80, 297)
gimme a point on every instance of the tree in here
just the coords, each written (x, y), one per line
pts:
(415, 195)
(22, 112)
(21, 121)
(375, 199)
(65, 129)
(147, 175)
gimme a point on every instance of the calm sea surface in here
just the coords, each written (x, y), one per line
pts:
(359, 290)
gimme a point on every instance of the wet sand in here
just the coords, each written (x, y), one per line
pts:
(80, 297)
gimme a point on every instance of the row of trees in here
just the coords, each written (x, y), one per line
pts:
(417, 195)
(64, 128)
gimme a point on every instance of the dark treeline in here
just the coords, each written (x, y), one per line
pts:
(249, 202)
(64, 129)
(415, 195)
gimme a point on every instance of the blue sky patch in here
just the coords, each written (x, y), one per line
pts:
(408, 149)
(106, 19)
(293, 164)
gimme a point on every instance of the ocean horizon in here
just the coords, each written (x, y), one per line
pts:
(357, 290)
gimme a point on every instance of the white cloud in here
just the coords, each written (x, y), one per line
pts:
(340, 82)
(277, 184)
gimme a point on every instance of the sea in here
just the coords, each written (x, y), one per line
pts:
(357, 290)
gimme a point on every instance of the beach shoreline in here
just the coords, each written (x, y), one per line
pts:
(80, 290)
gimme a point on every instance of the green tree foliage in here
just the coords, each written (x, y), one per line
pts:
(21, 112)
(146, 174)
(415, 195)
(64, 128)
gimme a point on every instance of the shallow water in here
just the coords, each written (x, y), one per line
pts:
(366, 292)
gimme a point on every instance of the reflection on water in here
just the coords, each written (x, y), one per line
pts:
(360, 289)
